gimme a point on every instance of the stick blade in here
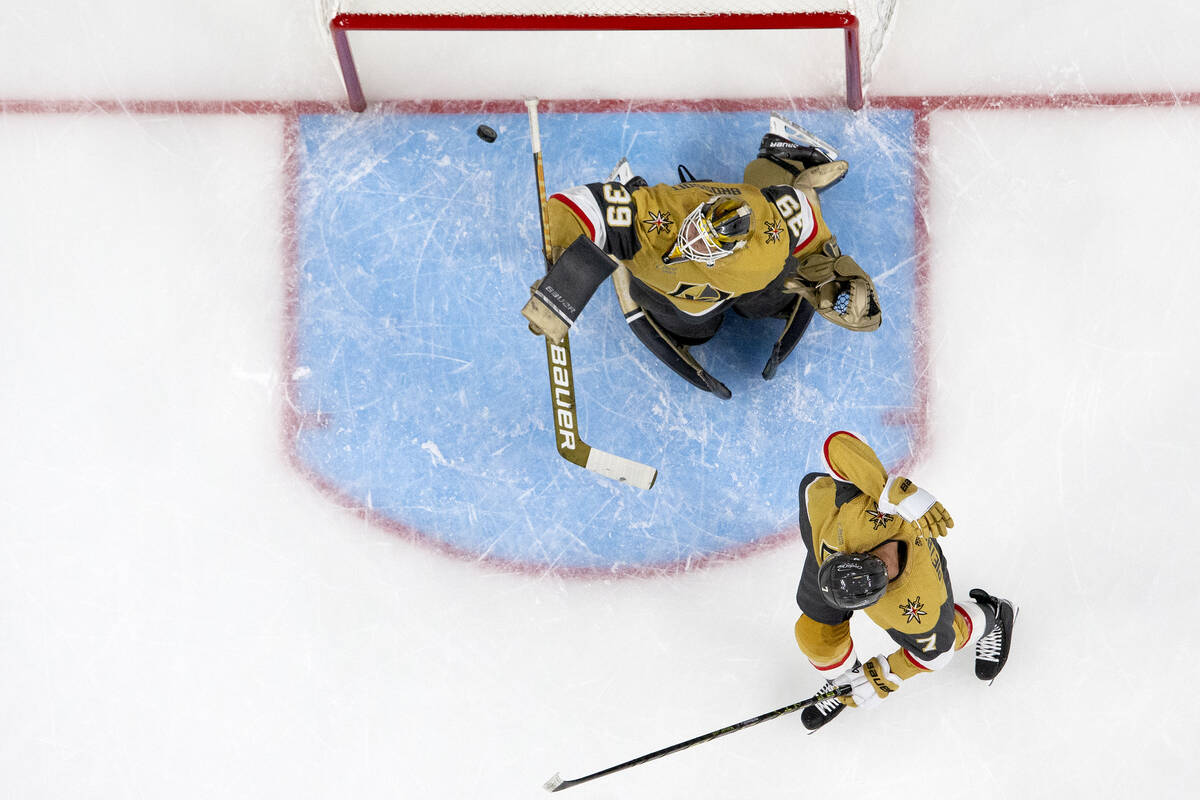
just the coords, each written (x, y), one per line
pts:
(553, 784)
(620, 469)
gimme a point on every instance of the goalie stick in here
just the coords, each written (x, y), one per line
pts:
(562, 377)
(557, 784)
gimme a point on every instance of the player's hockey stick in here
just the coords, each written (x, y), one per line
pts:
(562, 377)
(556, 783)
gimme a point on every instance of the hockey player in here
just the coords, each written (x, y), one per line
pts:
(681, 256)
(872, 545)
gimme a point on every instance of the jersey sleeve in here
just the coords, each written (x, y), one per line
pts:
(604, 212)
(850, 459)
(804, 224)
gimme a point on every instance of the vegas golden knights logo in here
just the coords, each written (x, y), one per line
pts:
(913, 610)
(700, 292)
(658, 222)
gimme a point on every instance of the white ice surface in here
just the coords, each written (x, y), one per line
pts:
(184, 616)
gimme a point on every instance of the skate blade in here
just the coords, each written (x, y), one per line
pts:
(1016, 612)
(790, 130)
(622, 173)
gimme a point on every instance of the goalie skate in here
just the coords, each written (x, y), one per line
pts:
(799, 135)
(622, 173)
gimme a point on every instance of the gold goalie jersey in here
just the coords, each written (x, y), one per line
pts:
(640, 227)
(842, 510)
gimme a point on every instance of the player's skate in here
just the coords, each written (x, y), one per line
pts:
(824, 711)
(991, 651)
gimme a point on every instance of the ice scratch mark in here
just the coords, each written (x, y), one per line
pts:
(435, 454)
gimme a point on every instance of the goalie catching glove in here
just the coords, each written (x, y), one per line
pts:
(870, 683)
(560, 296)
(902, 496)
(837, 288)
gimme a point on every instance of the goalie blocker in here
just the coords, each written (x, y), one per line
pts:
(568, 286)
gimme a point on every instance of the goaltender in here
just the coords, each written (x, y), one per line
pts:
(682, 256)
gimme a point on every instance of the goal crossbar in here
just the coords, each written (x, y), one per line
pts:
(342, 24)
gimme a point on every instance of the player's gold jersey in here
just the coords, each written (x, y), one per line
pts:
(842, 508)
(640, 228)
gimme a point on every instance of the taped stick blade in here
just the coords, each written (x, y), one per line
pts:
(620, 469)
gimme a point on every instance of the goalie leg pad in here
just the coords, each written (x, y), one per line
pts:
(568, 286)
(763, 172)
(797, 324)
(661, 343)
(792, 155)
(675, 356)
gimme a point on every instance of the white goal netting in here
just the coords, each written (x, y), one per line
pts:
(721, 62)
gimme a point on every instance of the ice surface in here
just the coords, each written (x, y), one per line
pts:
(400, 324)
(187, 610)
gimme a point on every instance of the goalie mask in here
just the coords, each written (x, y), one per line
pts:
(852, 580)
(714, 229)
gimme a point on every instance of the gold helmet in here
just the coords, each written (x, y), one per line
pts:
(714, 229)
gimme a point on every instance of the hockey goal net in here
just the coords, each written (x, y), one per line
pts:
(487, 49)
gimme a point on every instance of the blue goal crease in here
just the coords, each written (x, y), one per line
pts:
(417, 245)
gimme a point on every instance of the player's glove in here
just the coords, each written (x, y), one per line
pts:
(902, 496)
(869, 683)
(837, 288)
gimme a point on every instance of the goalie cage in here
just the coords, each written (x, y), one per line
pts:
(477, 16)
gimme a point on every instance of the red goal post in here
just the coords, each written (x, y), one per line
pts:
(343, 23)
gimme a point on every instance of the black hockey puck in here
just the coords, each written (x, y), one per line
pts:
(486, 133)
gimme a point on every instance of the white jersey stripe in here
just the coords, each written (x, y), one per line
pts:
(808, 223)
(581, 201)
